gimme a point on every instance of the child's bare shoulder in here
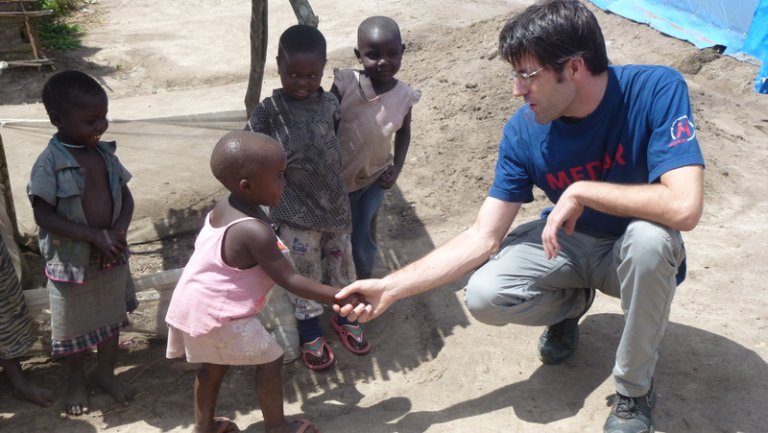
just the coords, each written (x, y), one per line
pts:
(242, 227)
(246, 228)
(253, 226)
(252, 235)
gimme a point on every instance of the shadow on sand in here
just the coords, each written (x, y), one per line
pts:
(704, 382)
(166, 386)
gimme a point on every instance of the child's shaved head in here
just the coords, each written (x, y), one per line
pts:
(378, 26)
(239, 154)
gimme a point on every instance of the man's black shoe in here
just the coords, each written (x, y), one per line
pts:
(559, 341)
(631, 414)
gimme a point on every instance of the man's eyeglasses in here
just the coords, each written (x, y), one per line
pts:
(526, 77)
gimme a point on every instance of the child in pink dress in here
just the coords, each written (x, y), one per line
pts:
(237, 259)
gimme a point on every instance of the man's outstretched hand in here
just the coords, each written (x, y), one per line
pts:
(376, 295)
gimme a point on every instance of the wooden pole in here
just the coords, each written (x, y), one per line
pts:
(304, 13)
(259, 25)
(258, 54)
(31, 26)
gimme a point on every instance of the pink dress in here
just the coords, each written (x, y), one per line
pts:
(212, 314)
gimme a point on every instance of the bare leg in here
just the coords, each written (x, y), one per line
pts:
(207, 385)
(23, 388)
(105, 372)
(269, 391)
(76, 399)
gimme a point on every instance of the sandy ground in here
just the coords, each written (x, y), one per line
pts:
(433, 368)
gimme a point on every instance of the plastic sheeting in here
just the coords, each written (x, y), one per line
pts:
(740, 26)
(169, 158)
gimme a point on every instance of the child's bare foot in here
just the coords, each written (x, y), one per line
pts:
(34, 394)
(23, 389)
(76, 399)
(298, 426)
(120, 391)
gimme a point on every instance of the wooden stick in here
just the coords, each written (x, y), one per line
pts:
(41, 13)
(304, 13)
(30, 62)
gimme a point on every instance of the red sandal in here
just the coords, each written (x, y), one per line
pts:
(304, 426)
(354, 332)
(225, 425)
(316, 348)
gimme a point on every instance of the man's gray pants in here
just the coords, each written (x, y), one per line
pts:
(519, 285)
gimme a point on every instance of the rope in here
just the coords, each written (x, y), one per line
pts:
(3, 122)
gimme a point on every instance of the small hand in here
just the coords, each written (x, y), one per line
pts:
(374, 292)
(111, 244)
(389, 177)
(354, 300)
(564, 215)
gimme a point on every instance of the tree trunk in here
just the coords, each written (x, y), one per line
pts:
(304, 12)
(304, 15)
(258, 54)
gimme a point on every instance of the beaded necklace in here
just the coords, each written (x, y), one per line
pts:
(73, 146)
(366, 88)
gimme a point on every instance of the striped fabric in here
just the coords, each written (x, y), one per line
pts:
(85, 342)
(15, 323)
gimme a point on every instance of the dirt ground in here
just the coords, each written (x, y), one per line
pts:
(433, 368)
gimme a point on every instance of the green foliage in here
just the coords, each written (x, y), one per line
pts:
(60, 8)
(54, 31)
(59, 35)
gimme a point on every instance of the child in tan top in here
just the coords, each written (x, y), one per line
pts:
(375, 106)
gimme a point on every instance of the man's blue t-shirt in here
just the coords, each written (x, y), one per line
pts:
(642, 128)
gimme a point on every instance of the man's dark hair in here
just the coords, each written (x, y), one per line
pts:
(301, 38)
(554, 31)
(67, 88)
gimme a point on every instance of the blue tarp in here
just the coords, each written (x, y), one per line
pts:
(740, 26)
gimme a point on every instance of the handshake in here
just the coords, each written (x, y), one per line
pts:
(362, 300)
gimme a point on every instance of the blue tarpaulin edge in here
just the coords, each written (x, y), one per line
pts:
(698, 28)
(756, 44)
